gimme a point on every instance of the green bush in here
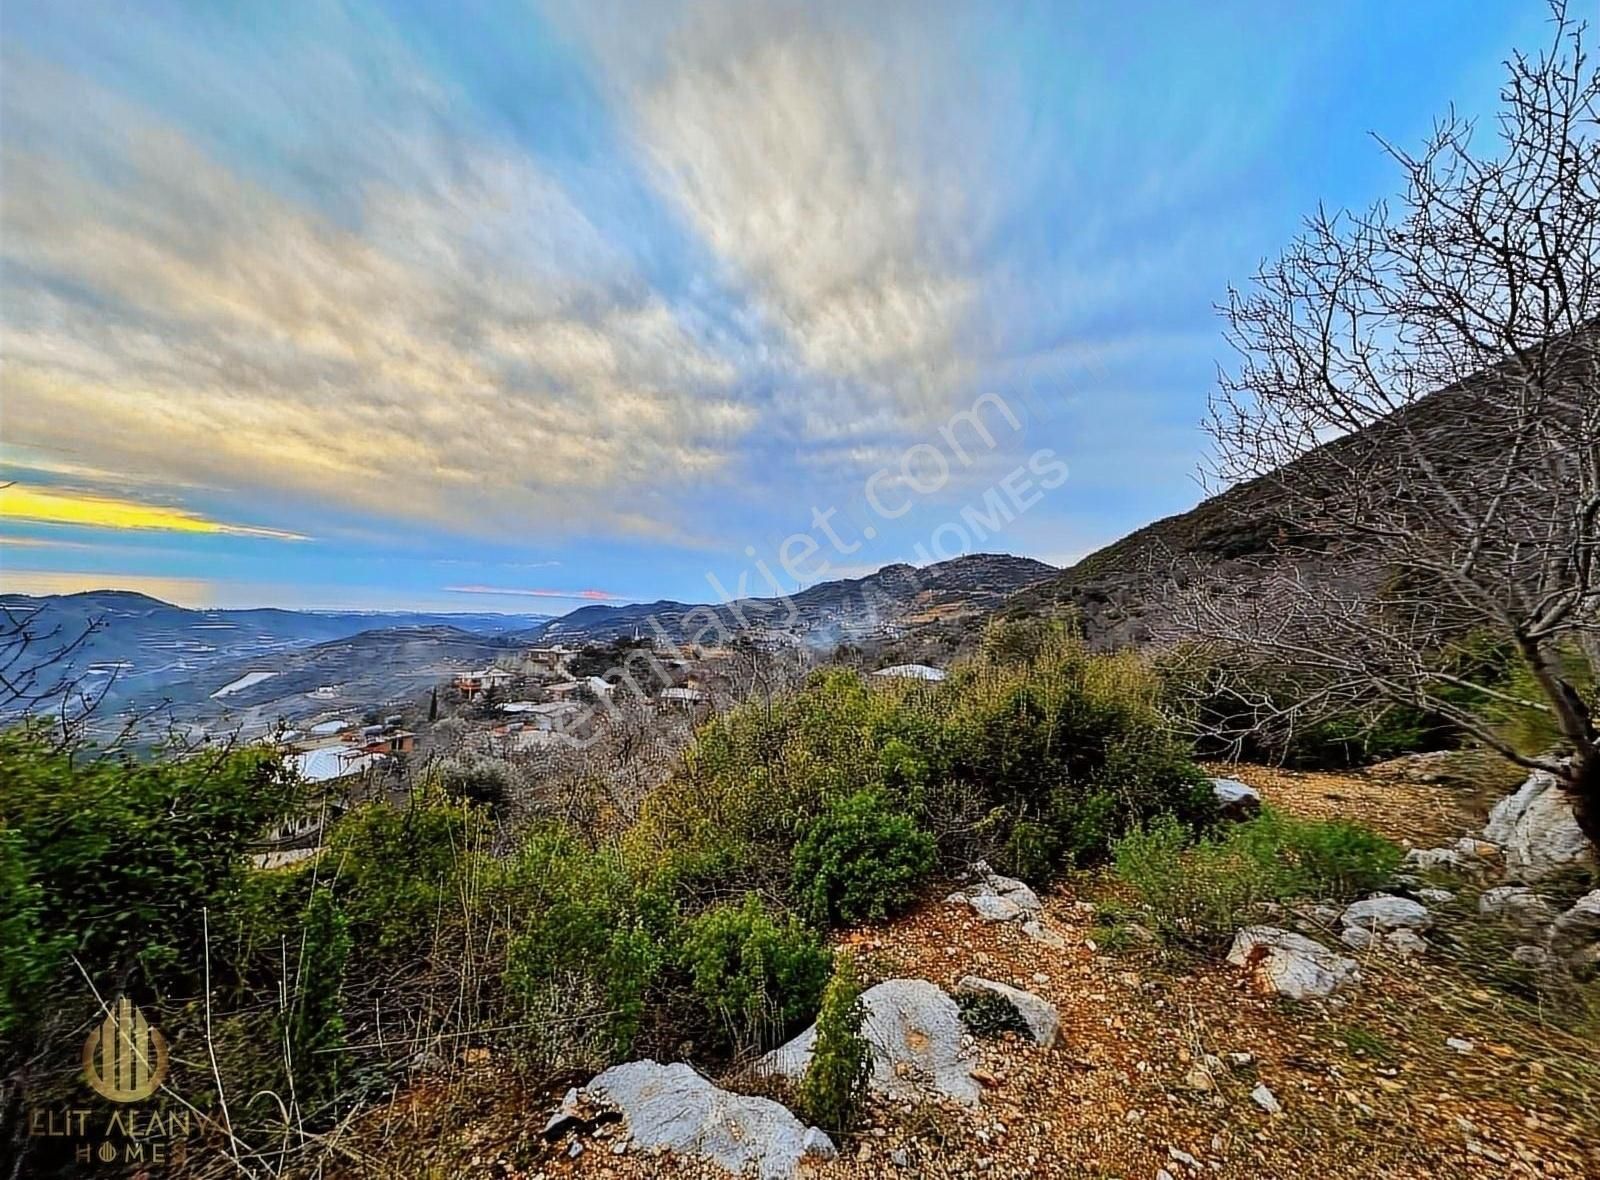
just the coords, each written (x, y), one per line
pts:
(1198, 894)
(397, 866)
(579, 928)
(119, 861)
(841, 1059)
(485, 782)
(860, 860)
(1201, 892)
(1319, 858)
(758, 976)
(311, 1023)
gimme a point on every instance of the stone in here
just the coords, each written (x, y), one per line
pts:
(1039, 1015)
(1404, 944)
(915, 1033)
(1199, 1078)
(995, 898)
(672, 1108)
(1459, 1044)
(1536, 828)
(1384, 911)
(1435, 896)
(1288, 964)
(1266, 1099)
(1531, 955)
(1437, 858)
(1235, 800)
(1318, 915)
(1358, 938)
(1578, 927)
(1518, 906)
(1043, 935)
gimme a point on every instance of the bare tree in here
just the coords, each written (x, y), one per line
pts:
(1417, 396)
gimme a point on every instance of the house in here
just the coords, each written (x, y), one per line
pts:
(911, 672)
(470, 684)
(547, 661)
(684, 697)
(548, 715)
(325, 764)
(400, 741)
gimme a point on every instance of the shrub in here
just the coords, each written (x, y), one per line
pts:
(860, 860)
(580, 938)
(1321, 858)
(310, 1025)
(1201, 893)
(1197, 895)
(759, 977)
(397, 865)
(486, 782)
(989, 1015)
(841, 1059)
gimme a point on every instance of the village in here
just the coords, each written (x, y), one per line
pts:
(527, 711)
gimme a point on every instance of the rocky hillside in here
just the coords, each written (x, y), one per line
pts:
(885, 603)
(1018, 1034)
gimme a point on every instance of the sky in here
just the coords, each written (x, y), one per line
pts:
(524, 306)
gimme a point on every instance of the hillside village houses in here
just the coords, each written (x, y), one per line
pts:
(470, 684)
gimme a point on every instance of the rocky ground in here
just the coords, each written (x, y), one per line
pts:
(1165, 1066)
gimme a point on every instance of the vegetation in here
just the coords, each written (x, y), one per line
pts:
(860, 860)
(1199, 892)
(841, 1059)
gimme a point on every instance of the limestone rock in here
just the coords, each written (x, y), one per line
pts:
(1235, 800)
(672, 1108)
(1266, 1099)
(1290, 964)
(1040, 1015)
(1575, 935)
(1538, 831)
(915, 1032)
(1517, 906)
(1383, 912)
(996, 898)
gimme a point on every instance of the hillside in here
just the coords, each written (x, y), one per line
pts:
(894, 598)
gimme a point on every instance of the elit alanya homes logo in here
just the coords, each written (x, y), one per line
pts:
(124, 1058)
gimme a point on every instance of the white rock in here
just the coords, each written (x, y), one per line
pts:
(1266, 1099)
(1435, 896)
(1235, 800)
(1459, 1044)
(1517, 905)
(1358, 938)
(1289, 964)
(1436, 858)
(672, 1108)
(1040, 1015)
(1042, 934)
(1385, 911)
(1578, 926)
(1404, 943)
(1537, 829)
(915, 1032)
(995, 898)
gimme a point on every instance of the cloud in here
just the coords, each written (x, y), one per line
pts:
(55, 506)
(462, 346)
(519, 592)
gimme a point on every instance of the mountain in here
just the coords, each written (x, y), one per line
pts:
(138, 648)
(879, 605)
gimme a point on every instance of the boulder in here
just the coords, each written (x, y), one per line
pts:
(1039, 1015)
(1288, 964)
(915, 1032)
(1437, 858)
(672, 1108)
(996, 898)
(1402, 943)
(1383, 912)
(1518, 906)
(1575, 935)
(1235, 800)
(1537, 830)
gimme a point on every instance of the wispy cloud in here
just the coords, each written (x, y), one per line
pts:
(61, 507)
(523, 592)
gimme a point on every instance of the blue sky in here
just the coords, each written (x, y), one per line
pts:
(494, 306)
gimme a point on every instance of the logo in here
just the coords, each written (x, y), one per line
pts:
(125, 1059)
